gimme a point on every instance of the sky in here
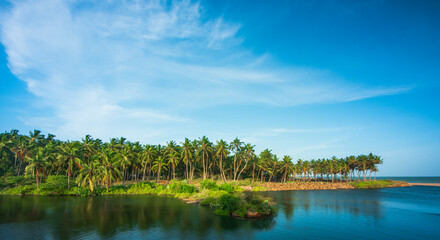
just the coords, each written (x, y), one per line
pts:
(309, 79)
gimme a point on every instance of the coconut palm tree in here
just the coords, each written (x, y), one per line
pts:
(37, 165)
(87, 175)
(187, 155)
(148, 156)
(286, 167)
(69, 153)
(205, 149)
(236, 146)
(107, 172)
(221, 153)
(173, 160)
(159, 165)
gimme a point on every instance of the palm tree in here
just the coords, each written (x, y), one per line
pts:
(37, 164)
(274, 168)
(148, 156)
(107, 172)
(173, 159)
(222, 152)
(68, 153)
(205, 149)
(125, 160)
(286, 167)
(159, 165)
(236, 146)
(87, 175)
(186, 155)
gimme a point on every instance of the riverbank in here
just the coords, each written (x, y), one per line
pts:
(226, 198)
(300, 185)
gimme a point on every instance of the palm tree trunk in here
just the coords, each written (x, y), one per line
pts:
(145, 168)
(37, 180)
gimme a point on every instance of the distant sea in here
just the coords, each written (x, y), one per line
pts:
(413, 179)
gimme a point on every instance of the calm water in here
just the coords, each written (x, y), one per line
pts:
(393, 213)
(414, 179)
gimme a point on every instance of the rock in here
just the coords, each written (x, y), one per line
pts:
(253, 214)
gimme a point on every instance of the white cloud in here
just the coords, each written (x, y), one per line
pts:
(130, 67)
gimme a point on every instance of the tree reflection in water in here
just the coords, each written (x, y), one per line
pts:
(108, 216)
(355, 202)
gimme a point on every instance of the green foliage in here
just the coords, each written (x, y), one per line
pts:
(210, 185)
(209, 201)
(14, 181)
(373, 184)
(85, 191)
(222, 212)
(54, 183)
(228, 202)
(181, 187)
(141, 188)
(242, 209)
(258, 189)
(21, 190)
(228, 187)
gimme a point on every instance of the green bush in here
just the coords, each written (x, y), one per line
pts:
(228, 187)
(258, 189)
(209, 201)
(241, 210)
(85, 191)
(222, 212)
(210, 185)
(54, 184)
(228, 202)
(181, 187)
(14, 181)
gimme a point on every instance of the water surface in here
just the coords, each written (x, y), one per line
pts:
(392, 213)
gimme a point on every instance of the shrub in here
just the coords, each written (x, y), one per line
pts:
(258, 189)
(181, 187)
(222, 212)
(228, 187)
(209, 201)
(207, 184)
(54, 183)
(228, 202)
(14, 181)
(21, 190)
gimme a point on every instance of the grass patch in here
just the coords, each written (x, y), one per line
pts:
(372, 184)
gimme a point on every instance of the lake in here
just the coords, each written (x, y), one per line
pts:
(392, 213)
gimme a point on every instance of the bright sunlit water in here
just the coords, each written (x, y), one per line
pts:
(392, 213)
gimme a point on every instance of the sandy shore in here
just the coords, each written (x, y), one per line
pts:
(425, 184)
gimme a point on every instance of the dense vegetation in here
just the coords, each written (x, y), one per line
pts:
(91, 162)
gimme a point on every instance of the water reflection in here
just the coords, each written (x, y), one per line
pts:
(365, 203)
(411, 213)
(109, 215)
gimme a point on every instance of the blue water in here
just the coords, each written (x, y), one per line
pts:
(391, 213)
(414, 179)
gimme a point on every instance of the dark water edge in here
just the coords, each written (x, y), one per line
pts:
(413, 179)
(391, 213)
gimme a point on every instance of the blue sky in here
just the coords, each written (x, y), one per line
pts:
(310, 79)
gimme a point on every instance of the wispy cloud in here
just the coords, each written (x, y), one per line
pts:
(130, 67)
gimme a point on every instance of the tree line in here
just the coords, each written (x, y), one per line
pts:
(92, 161)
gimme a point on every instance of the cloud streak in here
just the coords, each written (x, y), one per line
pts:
(115, 67)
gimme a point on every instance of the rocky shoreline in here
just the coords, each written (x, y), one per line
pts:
(314, 186)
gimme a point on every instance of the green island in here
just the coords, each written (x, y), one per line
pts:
(218, 175)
